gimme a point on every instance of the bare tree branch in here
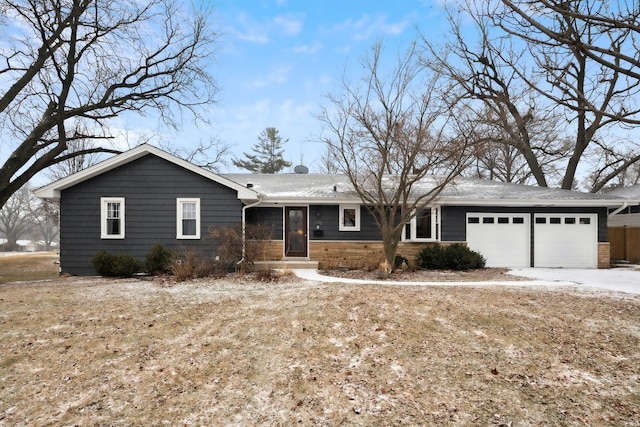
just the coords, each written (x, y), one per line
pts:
(77, 64)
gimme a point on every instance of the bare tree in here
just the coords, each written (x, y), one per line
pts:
(534, 79)
(71, 66)
(388, 134)
(15, 216)
(213, 155)
(76, 163)
(46, 219)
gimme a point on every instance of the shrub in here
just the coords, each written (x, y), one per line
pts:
(103, 263)
(158, 260)
(188, 264)
(400, 262)
(451, 257)
(228, 246)
(119, 265)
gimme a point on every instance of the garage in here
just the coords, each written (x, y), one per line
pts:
(566, 240)
(503, 239)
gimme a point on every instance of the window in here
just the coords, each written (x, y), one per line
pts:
(188, 215)
(112, 218)
(423, 226)
(349, 218)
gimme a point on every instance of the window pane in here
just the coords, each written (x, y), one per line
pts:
(569, 220)
(488, 220)
(349, 217)
(113, 218)
(189, 210)
(423, 224)
(540, 220)
(188, 227)
(585, 220)
(554, 220)
(503, 220)
(113, 226)
(473, 220)
(518, 220)
(113, 210)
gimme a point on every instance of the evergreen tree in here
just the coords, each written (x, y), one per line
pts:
(268, 154)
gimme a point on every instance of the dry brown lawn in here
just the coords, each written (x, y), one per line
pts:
(85, 351)
(16, 267)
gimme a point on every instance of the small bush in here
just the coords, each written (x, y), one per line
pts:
(451, 257)
(119, 265)
(103, 263)
(400, 262)
(188, 264)
(267, 275)
(158, 260)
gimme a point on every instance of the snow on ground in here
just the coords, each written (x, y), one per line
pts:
(625, 279)
(614, 279)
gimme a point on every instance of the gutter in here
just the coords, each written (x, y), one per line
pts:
(620, 209)
(244, 228)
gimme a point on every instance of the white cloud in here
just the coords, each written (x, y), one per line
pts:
(308, 48)
(253, 31)
(276, 75)
(367, 27)
(288, 24)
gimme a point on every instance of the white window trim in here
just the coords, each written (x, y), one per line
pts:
(435, 228)
(179, 202)
(343, 227)
(104, 201)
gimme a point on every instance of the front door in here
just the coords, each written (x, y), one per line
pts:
(295, 224)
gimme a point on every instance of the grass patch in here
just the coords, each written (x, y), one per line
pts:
(28, 267)
(83, 351)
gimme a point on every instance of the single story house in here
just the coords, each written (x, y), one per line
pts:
(144, 196)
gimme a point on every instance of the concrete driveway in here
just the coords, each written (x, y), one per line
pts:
(620, 279)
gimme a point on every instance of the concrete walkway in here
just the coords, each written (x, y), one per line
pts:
(618, 280)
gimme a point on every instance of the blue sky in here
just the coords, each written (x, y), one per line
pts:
(277, 58)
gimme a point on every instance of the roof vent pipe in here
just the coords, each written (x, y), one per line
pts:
(249, 185)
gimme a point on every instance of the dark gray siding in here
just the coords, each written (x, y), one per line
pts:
(270, 217)
(150, 186)
(327, 217)
(454, 224)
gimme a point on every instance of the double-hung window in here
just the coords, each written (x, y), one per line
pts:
(424, 226)
(188, 215)
(349, 218)
(112, 218)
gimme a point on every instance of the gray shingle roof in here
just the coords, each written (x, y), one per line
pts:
(320, 188)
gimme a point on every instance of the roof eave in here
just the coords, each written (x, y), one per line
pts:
(532, 202)
(53, 190)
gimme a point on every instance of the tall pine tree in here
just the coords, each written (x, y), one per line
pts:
(268, 154)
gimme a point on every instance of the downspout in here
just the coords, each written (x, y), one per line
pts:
(244, 228)
(620, 209)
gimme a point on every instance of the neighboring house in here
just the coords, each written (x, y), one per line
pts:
(624, 225)
(630, 214)
(146, 196)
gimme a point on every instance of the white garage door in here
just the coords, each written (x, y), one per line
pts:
(566, 240)
(503, 239)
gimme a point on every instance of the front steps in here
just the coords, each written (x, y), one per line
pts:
(285, 265)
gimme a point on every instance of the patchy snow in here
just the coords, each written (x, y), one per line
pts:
(615, 279)
(625, 279)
